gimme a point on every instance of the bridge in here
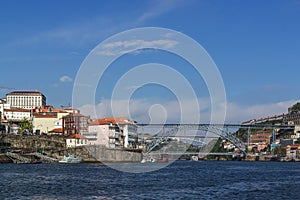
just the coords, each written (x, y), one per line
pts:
(203, 135)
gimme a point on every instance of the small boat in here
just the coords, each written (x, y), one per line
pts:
(195, 158)
(71, 159)
(148, 160)
(37, 162)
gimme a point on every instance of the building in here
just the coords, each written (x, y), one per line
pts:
(16, 114)
(56, 131)
(293, 116)
(48, 120)
(3, 106)
(228, 145)
(293, 151)
(72, 110)
(261, 137)
(25, 99)
(14, 129)
(105, 132)
(114, 132)
(76, 140)
(286, 142)
(75, 123)
(260, 140)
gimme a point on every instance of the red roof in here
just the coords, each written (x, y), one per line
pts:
(70, 108)
(45, 116)
(107, 121)
(24, 92)
(56, 130)
(294, 146)
(74, 115)
(59, 111)
(17, 110)
(77, 136)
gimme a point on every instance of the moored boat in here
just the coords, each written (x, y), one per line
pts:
(71, 159)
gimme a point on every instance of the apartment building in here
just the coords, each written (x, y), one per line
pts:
(75, 123)
(113, 132)
(47, 119)
(25, 99)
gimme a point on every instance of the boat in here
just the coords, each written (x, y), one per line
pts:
(148, 160)
(37, 162)
(195, 158)
(71, 159)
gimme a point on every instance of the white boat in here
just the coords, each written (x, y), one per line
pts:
(71, 159)
(147, 160)
(195, 158)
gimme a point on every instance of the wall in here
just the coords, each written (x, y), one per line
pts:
(102, 154)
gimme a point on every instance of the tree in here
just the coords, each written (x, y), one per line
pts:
(280, 151)
(298, 141)
(25, 125)
(296, 107)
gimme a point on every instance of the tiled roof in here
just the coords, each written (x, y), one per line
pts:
(69, 108)
(59, 111)
(17, 110)
(24, 92)
(294, 146)
(108, 120)
(77, 136)
(74, 115)
(45, 116)
(56, 130)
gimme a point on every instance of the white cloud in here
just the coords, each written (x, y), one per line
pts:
(81, 33)
(65, 79)
(145, 111)
(140, 110)
(238, 113)
(159, 8)
(127, 46)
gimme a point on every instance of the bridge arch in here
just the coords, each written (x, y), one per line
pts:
(218, 130)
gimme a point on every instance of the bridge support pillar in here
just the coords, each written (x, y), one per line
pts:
(248, 137)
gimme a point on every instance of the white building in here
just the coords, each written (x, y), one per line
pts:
(76, 141)
(16, 114)
(14, 129)
(3, 105)
(72, 110)
(106, 134)
(26, 99)
(113, 133)
(298, 135)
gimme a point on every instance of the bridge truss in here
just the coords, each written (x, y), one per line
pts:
(165, 133)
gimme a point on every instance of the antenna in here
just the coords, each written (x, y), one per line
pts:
(3, 87)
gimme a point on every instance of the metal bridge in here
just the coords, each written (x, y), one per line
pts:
(166, 132)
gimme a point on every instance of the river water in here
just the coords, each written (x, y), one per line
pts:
(180, 180)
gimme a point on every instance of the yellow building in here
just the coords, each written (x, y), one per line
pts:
(45, 120)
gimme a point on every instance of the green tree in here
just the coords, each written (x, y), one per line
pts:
(280, 151)
(298, 141)
(25, 125)
(296, 107)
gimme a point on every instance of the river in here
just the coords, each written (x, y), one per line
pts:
(180, 180)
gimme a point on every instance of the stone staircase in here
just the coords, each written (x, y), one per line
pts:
(44, 158)
(16, 158)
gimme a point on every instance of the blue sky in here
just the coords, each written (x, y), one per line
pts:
(255, 45)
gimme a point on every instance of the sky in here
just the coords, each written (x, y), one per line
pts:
(254, 44)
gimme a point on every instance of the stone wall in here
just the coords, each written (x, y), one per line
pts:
(32, 142)
(55, 147)
(102, 154)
